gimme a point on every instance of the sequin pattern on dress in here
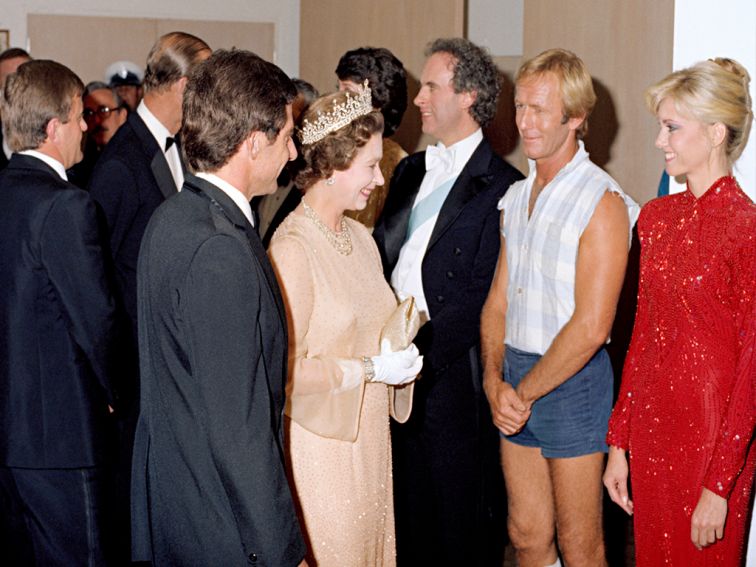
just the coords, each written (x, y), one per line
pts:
(687, 407)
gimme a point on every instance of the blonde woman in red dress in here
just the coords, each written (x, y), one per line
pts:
(686, 409)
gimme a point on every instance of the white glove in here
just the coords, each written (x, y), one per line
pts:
(396, 368)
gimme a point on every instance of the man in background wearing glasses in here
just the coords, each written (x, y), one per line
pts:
(104, 113)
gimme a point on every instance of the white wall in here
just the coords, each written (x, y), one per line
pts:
(705, 29)
(283, 13)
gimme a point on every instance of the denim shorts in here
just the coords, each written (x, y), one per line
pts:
(572, 419)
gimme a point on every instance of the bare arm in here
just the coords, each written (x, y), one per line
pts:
(600, 271)
(508, 412)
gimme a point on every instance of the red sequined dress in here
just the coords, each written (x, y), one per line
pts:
(687, 407)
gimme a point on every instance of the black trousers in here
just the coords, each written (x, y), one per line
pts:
(54, 517)
(448, 486)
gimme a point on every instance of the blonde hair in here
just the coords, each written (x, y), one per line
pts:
(711, 91)
(575, 83)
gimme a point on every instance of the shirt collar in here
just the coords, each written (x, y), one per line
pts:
(52, 162)
(156, 128)
(464, 149)
(6, 149)
(580, 156)
(236, 196)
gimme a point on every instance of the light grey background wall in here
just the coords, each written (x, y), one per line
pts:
(284, 14)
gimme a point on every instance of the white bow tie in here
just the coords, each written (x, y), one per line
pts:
(439, 158)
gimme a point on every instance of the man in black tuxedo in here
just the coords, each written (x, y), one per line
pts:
(58, 333)
(209, 484)
(141, 166)
(438, 237)
(10, 59)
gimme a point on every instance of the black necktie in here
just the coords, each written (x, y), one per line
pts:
(169, 142)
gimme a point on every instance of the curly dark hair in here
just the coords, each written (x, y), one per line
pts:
(336, 150)
(387, 81)
(474, 71)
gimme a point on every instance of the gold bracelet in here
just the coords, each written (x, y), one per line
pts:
(368, 368)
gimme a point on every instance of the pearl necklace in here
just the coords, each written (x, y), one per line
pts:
(341, 241)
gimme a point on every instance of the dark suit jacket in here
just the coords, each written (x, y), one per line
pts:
(129, 182)
(208, 479)
(59, 329)
(461, 256)
(290, 203)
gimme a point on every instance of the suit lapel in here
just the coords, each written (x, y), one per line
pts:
(163, 175)
(237, 218)
(397, 218)
(158, 164)
(471, 180)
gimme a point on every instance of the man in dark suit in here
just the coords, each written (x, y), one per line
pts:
(138, 169)
(209, 484)
(438, 238)
(58, 333)
(141, 167)
(10, 59)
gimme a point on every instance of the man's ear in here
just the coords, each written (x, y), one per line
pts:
(468, 98)
(180, 85)
(51, 130)
(575, 122)
(255, 143)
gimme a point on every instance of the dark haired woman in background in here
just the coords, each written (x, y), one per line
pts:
(388, 83)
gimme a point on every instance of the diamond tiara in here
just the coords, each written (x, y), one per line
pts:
(356, 105)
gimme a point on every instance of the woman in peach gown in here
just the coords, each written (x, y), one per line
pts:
(340, 378)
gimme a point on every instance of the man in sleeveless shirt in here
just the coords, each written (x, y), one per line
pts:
(565, 233)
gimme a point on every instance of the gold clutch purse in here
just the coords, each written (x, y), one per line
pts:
(400, 329)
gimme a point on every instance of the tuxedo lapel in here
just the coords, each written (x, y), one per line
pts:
(163, 175)
(177, 141)
(396, 219)
(158, 164)
(237, 218)
(473, 179)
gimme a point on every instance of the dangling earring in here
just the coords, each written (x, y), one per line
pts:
(330, 181)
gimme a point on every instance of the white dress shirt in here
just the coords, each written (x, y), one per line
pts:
(407, 279)
(6, 149)
(236, 196)
(161, 134)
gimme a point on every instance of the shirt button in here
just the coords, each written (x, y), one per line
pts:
(440, 298)
(457, 252)
(519, 290)
(450, 275)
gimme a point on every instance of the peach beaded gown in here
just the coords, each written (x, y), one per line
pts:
(338, 443)
(687, 404)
